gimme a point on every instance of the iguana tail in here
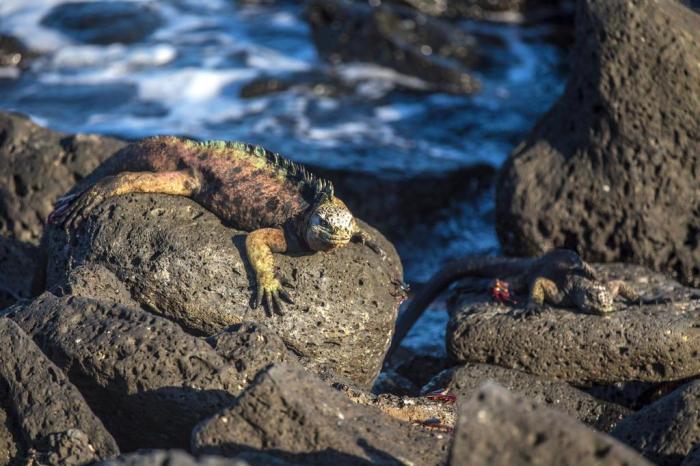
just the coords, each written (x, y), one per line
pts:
(471, 266)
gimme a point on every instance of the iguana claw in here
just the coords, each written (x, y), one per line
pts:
(271, 292)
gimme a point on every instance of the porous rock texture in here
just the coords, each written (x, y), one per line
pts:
(47, 413)
(613, 169)
(181, 458)
(496, 427)
(179, 261)
(148, 380)
(94, 281)
(37, 166)
(293, 415)
(21, 273)
(556, 394)
(252, 346)
(666, 430)
(655, 341)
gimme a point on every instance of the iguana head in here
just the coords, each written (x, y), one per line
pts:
(592, 296)
(330, 225)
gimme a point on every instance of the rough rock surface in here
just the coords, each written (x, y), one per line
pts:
(37, 166)
(181, 458)
(106, 23)
(497, 427)
(297, 417)
(556, 394)
(21, 274)
(604, 169)
(424, 410)
(10, 435)
(666, 430)
(178, 260)
(148, 380)
(407, 41)
(49, 411)
(650, 342)
(251, 347)
(94, 281)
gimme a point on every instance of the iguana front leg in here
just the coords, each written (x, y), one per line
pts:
(621, 288)
(260, 244)
(361, 236)
(542, 290)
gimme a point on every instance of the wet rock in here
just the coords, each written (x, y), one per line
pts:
(666, 430)
(467, 379)
(497, 427)
(14, 55)
(398, 204)
(37, 166)
(179, 261)
(398, 38)
(656, 341)
(52, 416)
(603, 170)
(21, 271)
(148, 380)
(454, 9)
(181, 458)
(298, 418)
(105, 22)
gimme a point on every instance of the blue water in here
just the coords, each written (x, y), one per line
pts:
(186, 77)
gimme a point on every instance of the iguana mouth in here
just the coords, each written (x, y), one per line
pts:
(334, 238)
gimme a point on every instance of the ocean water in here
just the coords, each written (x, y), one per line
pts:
(186, 79)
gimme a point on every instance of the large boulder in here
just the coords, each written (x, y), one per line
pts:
(665, 431)
(21, 271)
(656, 341)
(297, 417)
(179, 261)
(37, 166)
(497, 427)
(148, 380)
(467, 379)
(47, 413)
(613, 169)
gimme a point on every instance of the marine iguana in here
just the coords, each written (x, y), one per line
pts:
(283, 206)
(559, 277)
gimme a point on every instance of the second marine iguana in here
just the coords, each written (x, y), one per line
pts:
(559, 277)
(281, 204)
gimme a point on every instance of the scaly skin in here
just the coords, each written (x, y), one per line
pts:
(283, 206)
(559, 277)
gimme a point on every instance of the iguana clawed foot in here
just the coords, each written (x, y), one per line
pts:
(271, 293)
(362, 237)
(532, 309)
